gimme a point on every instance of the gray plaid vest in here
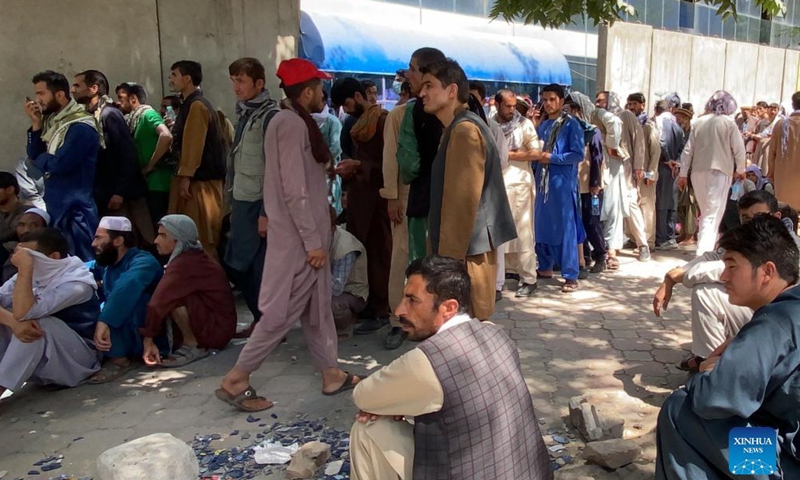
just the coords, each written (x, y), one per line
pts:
(486, 429)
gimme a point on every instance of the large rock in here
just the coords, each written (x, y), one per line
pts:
(155, 457)
(612, 453)
(595, 421)
(306, 461)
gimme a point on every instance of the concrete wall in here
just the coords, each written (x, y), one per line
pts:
(134, 40)
(635, 58)
(624, 58)
(668, 50)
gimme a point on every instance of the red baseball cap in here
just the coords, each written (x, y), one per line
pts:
(298, 70)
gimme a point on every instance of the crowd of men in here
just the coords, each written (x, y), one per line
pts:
(412, 218)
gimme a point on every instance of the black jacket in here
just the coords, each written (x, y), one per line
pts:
(118, 171)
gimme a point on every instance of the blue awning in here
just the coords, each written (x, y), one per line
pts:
(340, 44)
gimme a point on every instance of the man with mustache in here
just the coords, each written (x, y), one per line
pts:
(62, 142)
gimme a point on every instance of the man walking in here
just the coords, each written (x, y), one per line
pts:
(247, 246)
(296, 203)
(63, 143)
(197, 189)
(469, 213)
(119, 186)
(367, 214)
(523, 147)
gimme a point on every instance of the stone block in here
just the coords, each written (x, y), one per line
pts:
(308, 460)
(612, 453)
(159, 456)
(595, 421)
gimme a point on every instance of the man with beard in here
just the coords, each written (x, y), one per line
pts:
(11, 208)
(411, 136)
(247, 246)
(129, 277)
(62, 143)
(469, 212)
(462, 386)
(367, 214)
(153, 139)
(197, 190)
(523, 148)
(32, 219)
(299, 282)
(119, 186)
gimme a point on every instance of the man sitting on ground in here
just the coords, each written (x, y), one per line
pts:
(48, 315)
(751, 380)
(33, 219)
(194, 294)
(714, 318)
(349, 282)
(463, 386)
(129, 276)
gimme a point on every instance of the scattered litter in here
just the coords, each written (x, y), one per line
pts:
(542, 421)
(245, 436)
(74, 440)
(273, 415)
(294, 358)
(234, 433)
(274, 453)
(252, 419)
(33, 472)
(3, 473)
(172, 395)
(557, 448)
(333, 468)
(560, 439)
(51, 466)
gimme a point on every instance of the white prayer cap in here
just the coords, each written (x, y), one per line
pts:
(118, 224)
(38, 211)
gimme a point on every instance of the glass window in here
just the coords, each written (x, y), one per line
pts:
(472, 7)
(702, 15)
(672, 14)
(754, 31)
(444, 5)
(729, 29)
(686, 15)
(405, 2)
(655, 13)
(742, 26)
(639, 7)
(577, 24)
(714, 24)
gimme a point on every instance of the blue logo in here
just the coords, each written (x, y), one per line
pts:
(752, 451)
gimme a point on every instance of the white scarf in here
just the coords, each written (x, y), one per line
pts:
(49, 272)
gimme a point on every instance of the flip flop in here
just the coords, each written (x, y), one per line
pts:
(238, 400)
(184, 356)
(569, 286)
(110, 372)
(543, 277)
(347, 385)
(690, 364)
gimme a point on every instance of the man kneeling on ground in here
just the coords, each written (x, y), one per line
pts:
(463, 386)
(349, 282)
(750, 380)
(714, 318)
(48, 315)
(194, 295)
(129, 277)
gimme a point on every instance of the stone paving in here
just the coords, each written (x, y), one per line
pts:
(603, 339)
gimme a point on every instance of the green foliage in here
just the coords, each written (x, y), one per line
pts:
(557, 13)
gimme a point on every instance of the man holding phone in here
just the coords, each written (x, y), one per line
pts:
(63, 142)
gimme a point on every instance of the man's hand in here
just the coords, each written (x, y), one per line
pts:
(395, 211)
(115, 203)
(366, 417)
(613, 152)
(682, 182)
(544, 158)
(639, 174)
(22, 259)
(28, 331)
(595, 190)
(662, 297)
(263, 221)
(348, 168)
(739, 175)
(151, 355)
(102, 337)
(147, 169)
(34, 112)
(708, 364)
(183, 188)
(316, 258)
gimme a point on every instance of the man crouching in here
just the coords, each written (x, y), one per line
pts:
(473, 415)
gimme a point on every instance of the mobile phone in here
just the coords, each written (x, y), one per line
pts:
(539, 105)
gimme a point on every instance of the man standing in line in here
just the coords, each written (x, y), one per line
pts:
(367, 213)
(649, 167)
(559, 229)
(63, 142)
(119, 186)
(523, 147)
(408, 198)
(247, 246)
(197, 189)
(153, 139)
(784, 157)
(469, 214)
(673, 139)
(296, 203)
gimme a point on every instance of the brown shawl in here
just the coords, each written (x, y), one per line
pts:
(318, 146)
(367, 124)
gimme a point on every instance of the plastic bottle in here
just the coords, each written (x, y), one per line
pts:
(170, 116)
(736, 190)
(595, 205)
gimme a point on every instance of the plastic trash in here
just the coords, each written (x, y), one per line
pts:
(333, 468)
(269, 453)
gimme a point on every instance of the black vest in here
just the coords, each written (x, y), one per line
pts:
(428, 130)
(212, 166)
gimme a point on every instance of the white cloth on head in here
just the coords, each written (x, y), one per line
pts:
(184, 230)
(117, 224)
(42, 213)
